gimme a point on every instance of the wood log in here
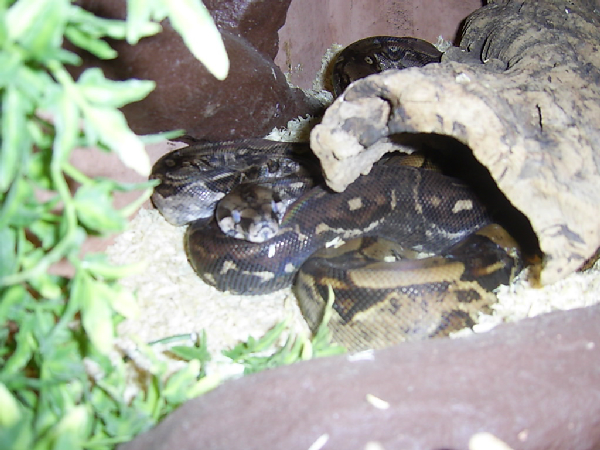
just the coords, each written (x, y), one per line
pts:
(522, 92)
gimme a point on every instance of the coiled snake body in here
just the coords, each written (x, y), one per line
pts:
(381, 218)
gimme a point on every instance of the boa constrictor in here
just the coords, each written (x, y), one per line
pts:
(356, 242)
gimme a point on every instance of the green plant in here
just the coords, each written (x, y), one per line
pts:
(60, 384)
(258, 354)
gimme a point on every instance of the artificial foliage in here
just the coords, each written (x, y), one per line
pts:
(62, 383)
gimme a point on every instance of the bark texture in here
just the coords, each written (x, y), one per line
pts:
(522, 92)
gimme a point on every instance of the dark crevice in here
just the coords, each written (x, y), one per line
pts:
(456, 159)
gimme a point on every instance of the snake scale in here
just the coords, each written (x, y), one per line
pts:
(409, 253)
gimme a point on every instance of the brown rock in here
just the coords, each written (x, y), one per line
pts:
(534, 385)
(313, 25)
(253, 99)
(246, 18)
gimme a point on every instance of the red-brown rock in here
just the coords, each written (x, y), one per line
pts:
(253, 99)
(534, 385)
(247, 18)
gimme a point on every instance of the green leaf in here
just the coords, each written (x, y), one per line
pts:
(16, 143)
(12, 300)
(99, 266)
(95, 209)
(19, 436)
(244, 349)
(22, 15)
(123, 422)
(150, 402)
(100, 91)
(190, 353)
(60, 350)
(68, 433)
(96, 313)
(34, 84)
(321, 342)
(8, 251)
(66, 119)
(9, 413)
(90, 43)
(25, 347)
(204, 385)
(177, 384)
(42, 140)
(45, 231)
(139, 13)
(38, 25)
(254, 356)
(110, 127)
(39, 169)
(46, 286)
(184, 384)
(99, 27)
(124, 302)
(21, 208)
(199, 351)
(4, 4)
(191, 19)
(11, 61)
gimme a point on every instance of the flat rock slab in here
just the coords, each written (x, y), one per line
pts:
(534, 385)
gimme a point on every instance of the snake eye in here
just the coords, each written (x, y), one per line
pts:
(369, 60)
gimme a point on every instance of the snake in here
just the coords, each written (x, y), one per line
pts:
(378, 53)
(404, 253)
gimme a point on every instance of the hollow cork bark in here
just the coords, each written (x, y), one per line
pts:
(522, 92)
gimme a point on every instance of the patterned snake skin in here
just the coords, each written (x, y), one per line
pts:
(408, 253)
